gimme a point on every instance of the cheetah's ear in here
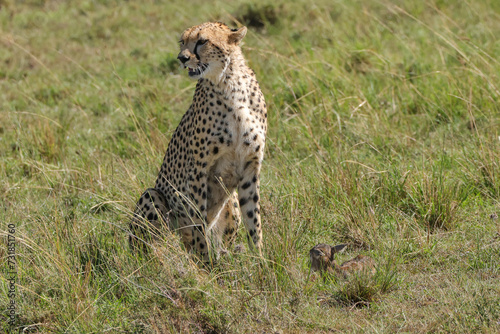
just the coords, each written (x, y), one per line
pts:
(237, 35)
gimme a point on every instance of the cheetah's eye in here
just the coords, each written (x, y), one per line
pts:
(181, 42)
(199, 44)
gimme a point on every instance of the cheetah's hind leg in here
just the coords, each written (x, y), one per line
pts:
(150, 213)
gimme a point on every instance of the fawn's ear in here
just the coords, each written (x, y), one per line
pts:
(332, 254)
(338, 248)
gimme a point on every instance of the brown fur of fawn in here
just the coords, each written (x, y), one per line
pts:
(323, 260)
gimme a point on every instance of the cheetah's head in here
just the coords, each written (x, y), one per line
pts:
(206, 49)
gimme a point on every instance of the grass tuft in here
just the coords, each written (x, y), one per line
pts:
(257, 16)
(362, 289)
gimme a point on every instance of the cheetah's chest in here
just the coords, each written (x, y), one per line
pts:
(237, 142)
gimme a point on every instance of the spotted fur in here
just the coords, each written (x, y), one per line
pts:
(212, 165)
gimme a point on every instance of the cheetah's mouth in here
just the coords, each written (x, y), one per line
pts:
(194, 72)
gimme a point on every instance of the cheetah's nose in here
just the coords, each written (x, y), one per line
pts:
(183, 58)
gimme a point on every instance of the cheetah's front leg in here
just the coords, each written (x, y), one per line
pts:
(248, 193)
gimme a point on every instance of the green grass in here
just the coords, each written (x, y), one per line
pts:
(384, 132)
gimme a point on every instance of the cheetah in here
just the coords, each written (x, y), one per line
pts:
(322, 258)
(209, 177)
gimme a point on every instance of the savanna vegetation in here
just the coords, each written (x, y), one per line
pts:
(384, 133)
